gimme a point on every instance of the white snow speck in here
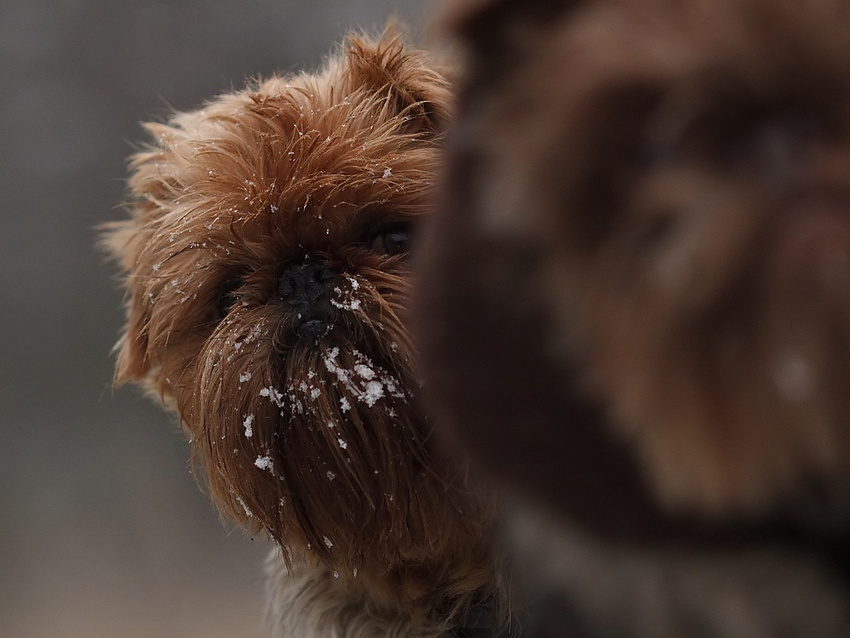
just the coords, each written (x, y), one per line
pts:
(364, 371)
(346, 304)
(273, 395)
(387, 173)
(248, 424)
(245, 376)
(265, 463)
(331, 475)
(365, 382)
(328, 543)
(346, 297)
(374, 391)
(248, 512)
(342, 444)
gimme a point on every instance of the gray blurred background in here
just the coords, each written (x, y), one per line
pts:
(103, 531)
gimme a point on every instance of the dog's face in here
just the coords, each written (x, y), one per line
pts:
(669, 185)
(268, 279)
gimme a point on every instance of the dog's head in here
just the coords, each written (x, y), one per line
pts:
(668, 185)
(267, 271)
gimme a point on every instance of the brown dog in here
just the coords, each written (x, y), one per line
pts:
(635, 301)
(266, 264)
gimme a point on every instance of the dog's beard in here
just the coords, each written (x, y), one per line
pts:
(315, 435)
(333, 420)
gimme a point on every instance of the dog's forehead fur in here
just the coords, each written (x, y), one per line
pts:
(263, 160)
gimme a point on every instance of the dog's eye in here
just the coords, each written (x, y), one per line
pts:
(392, 240)
(226, 297)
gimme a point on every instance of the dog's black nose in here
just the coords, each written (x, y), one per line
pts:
(305, 287)
(304, 283)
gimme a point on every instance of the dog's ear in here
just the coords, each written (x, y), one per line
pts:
(121, 241)
(405, 77)
(153, 185)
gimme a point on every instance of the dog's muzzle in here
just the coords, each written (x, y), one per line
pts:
(305, 287)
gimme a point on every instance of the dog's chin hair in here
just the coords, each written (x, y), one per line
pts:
(334, 424)
(309, 430)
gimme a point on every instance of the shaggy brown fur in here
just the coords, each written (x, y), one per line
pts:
(636, 295)
(267, 275)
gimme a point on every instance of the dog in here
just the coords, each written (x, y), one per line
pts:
(266, 263)
(634, 307)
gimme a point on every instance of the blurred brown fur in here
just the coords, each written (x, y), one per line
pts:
(635, 296)
(268, 281)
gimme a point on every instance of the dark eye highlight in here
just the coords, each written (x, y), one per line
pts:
(394, 239)
(227, 297)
